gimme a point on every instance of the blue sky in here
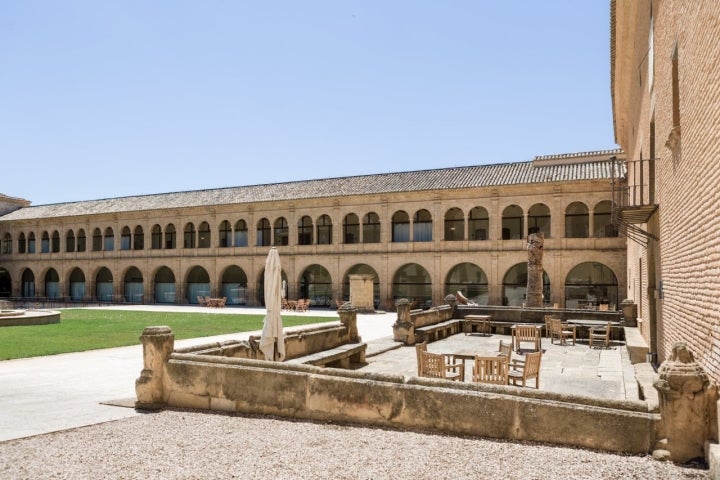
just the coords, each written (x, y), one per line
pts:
(103, 99)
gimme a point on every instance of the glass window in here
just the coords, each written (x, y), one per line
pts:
(45, 243)
(305, 231)
(139, 238)
(316, 284)
(31, 242)
(204, 235)
(97, 240)
(109, 240)
(241, 234)
(602, 220)
(454, 225)
(170, 237)
(478, 224)
(282, 233)
(81, 241)
(400, 227)
(55, 242)
(413, 282)
(351, 228)
(512, 223)
(224, 234)
(371, 228)
(189, 236)
(156, 237)
(422, 226)
(470, 280)
(515, 286)
(21, 243)
(324, 230)
(70, 241)
(539, 219)
(7, 244)
(125, 238)
(589, 285)
(577, 220)
(263, 233)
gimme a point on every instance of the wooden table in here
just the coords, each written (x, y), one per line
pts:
(470, 353)
(479, 320)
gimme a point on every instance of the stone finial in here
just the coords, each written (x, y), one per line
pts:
(158, 344)
(686, 402)
(348, 317)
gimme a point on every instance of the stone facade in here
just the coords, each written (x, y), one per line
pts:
(439, 202)
(666, 104)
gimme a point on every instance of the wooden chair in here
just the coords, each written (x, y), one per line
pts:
(547, 325)
(505, 349)
(600, 336)
(561, 331)
(526, 333)
(222, 302)
(528, 370)
(419, 348)
(433, 365)
(201, 301)
(493, 369)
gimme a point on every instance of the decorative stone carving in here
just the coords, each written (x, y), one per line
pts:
(403, 330)
(686, 406)
(533, 294)
(348, 317)
(158, 344)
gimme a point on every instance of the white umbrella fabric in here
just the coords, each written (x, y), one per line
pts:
(272, 339)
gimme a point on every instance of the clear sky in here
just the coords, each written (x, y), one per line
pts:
(112, 98)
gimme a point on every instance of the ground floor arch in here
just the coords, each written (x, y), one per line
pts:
(165, 285)
(413, 282)
(133, 286)
(470, 280)
(52, 283)
(28, 283)
(589, 285)
(361, 269)
(514, 286)
(316, 284)
(77, 285)
(5, 283)
(198, 284)
(234, 285)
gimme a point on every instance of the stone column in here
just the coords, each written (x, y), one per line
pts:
(158, 344)
(533, 294)
(687, 407)
(348, 317)
(403, 329)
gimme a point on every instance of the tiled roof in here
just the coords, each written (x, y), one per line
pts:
(421, 180)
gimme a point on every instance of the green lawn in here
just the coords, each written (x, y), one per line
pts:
(81, 329)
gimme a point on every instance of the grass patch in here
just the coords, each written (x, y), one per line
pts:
(83, 329)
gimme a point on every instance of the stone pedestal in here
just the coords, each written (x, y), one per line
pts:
(403, 329)
(348, 317)
(361, 292)
(687, 403)
(158, 344)
(629, 312)
(533, 294)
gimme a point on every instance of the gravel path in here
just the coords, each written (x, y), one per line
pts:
(177, 444)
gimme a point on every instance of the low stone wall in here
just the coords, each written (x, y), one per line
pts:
(29, 317)
(408, 320)
(534, 315)
(326, 394)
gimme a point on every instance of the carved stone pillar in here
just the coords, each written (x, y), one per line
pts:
(534, 295)
(687, 403)
(403, 329)
(348, 317)
(158, 344)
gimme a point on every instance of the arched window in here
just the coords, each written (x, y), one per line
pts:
(515, 286)
(589, 285)
(224, 234)
(371, 228)
(189, 236)
(133, 286)
(282, 232)
(77, 285)
(125, 238)
(198, 284)
(139, 238)
(31, 242)
(97, 242)
(70, 241)
(204, 235)
(241, 234)
(104, 285)
(470, 280)
(45, 243)
(324, 230)
(170, 237)
(109, 239)
(512, 223)
(81, 241)
(21, 243)
(164, 286)
(400, 227)
(263, 233)
(28, 283)
(156, 237)
(7, 244)
(422, 226)
(577, 220)
(305, 231)
(454, 225)
(539, 219)
(55, 242)
(52, 284)
(316, 284)
(351, 228)
(234, 285)
(412, 281)
(602, 220)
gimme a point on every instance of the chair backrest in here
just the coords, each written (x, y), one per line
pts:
(555, 326)
(419, 348)
(505, 349)
(433, 365)
(532, 364)
(492, 369)
(526, 333)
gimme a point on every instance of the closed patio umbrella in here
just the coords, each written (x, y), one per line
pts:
(272, 339)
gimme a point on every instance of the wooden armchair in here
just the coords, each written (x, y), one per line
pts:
(547, 325)
(505, 349)
(526, 333)
(561, 331)
(493, 369)
(433, 365)
(201, 301)
(528, 370)
(600, 336)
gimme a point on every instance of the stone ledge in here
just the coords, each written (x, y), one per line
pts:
(636, 345)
